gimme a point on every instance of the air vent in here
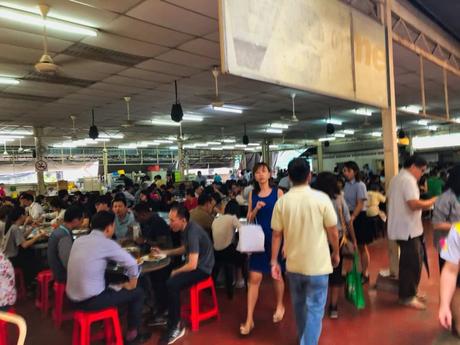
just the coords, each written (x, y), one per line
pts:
(23, 97)
(85, 51)
(55, 79)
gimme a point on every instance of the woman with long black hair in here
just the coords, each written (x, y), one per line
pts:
(260, 209)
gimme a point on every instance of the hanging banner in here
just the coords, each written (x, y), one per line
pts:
(305, 44)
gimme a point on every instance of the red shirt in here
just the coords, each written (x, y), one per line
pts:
(190, 204)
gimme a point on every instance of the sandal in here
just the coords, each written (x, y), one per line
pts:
(278, 316)
(245, 330)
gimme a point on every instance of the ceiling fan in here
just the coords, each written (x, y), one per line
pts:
(293, 118)
(128, 123)
(215, 99)
(46, 64)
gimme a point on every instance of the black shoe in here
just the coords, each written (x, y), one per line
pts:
(364, 279)
(140, 339)
(175, 334)
(157, 320)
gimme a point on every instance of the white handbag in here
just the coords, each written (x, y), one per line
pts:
(251, 239)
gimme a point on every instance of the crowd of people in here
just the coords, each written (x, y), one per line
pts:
(306, 219)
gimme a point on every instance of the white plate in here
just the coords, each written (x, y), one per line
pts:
(157, 257)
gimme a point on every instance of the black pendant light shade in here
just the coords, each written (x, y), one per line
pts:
(330, 129)
(245, 136)
(93, 131)
(401, 134)
(176, 110)
(326, 143)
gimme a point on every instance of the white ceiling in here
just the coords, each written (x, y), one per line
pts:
(142, 46)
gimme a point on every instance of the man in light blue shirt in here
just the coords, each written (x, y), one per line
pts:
(124, 218)
(86, 285)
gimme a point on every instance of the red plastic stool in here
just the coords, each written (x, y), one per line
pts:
(196, 315)
(42, 301)
(58, 313)
(20, 284)
(4, 329)
(82, 327)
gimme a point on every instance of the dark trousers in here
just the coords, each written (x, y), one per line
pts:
(229, 259)
(26, 261)
(410, 266)
(158, 281)
(132, 299)
(175, 285)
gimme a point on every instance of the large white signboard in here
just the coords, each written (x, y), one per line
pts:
(305, 44)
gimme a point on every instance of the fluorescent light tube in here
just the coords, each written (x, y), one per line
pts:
(228, 147)
(51, 24)
(173, 147)
(349, 131)
(414, 109)
(432, 128)
(363, 111)
(334, 122)
(274, 130)
(216, 148)
(195, 118)
(279, 125)
(240, 146)
(8, 81)
(229, 141)
(376, 134)
(213, 143)
(228, 109)
(110, 136)
(273, 146)
(339, 135)
(253, 144)
(165, 123)
(163, 141)
(327, 139)
(11, 137)
(423, 122)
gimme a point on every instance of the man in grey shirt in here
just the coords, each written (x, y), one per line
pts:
(60, 243)
(198, 250)
(86, 284)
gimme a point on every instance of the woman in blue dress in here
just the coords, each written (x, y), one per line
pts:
(260, 208)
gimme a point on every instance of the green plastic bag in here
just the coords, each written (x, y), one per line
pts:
(354, 287)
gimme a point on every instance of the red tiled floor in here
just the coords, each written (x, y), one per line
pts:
(382, 322)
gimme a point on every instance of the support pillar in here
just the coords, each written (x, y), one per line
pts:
(39, 150)
(266, 152)
(390, 143)
(181, 158)
(319, 157)
(105, 164)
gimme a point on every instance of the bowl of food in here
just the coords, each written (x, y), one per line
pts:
(154, 257)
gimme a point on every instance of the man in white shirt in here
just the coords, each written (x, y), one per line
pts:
(405, 226)
(33, 209)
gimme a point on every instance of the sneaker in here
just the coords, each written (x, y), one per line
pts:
(240, 284)
(333, 312)
(175, 334)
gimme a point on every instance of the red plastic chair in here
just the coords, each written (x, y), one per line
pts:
(82, 327)
(4, 329)
(195, 316)
(42, 302)
(20, 284)
(58, 312)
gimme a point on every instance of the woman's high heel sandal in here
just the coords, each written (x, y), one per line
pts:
(246, 330)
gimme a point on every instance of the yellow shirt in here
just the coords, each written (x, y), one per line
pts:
(302, 215)
(373, 200)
